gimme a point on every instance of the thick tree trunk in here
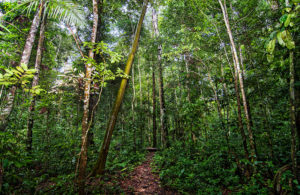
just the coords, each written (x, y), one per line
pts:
(6, 111)
(238, 69)
(163, 118)
(87, 89)
(100, 164)
(35, 83)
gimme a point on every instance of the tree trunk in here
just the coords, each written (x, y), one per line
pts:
(154, 108)
(132, 108)
(163, 118)
(100, 164)
(142, 118)
(293, 116)
(35, 83)
(85, 117)
(6, 111)
(239, 72)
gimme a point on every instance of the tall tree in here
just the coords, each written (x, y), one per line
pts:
(241, 81)
(101, 161)
(35, 83)
(154, 139)
(86, 103)
(163, 118)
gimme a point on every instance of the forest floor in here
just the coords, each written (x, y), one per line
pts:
(143, 181)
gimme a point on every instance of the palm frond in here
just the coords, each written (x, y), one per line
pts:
(66, 11)
(3, 27)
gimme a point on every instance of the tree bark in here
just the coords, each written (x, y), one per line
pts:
(100, 164)
(132, 108)
(6, 111)
(142, 118)
(85, 117)
(238, 70)
(293, 116)
(35, 83)
(154, 108)
(163, 118)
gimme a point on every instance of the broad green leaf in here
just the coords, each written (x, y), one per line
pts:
(24, 66)
(20, 69)
(16, 72)
(287, 21)
(283, 18)
(290, 44)
(288, 9)
(271, 46)
(280, 40)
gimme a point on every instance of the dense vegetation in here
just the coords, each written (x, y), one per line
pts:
(214, 85)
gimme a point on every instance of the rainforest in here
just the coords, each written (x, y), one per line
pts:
(162, 97)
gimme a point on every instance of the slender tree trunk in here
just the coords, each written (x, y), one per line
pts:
(163, 118)
(141, 104)
(148, 109)
(35, 83)
(238, 69)
(154, 108)
(87, 89)
(132, 108)
(100, 164)
(239, 107)
(188, 77)
(293, 116)
(6, 111)
(93, 103)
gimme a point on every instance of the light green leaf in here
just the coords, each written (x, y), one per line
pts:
(290, 44)
(271, 46)
(287, 21)
(24, 66)
(280, 40)
(19, 69)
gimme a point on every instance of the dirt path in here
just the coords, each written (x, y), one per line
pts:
(143, 181)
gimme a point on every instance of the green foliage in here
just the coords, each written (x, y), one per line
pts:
(22, 76)
(196, 168)
(102, 74)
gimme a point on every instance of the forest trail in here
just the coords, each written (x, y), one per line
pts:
(142, 181)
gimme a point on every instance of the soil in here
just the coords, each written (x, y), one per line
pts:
(143, 181)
